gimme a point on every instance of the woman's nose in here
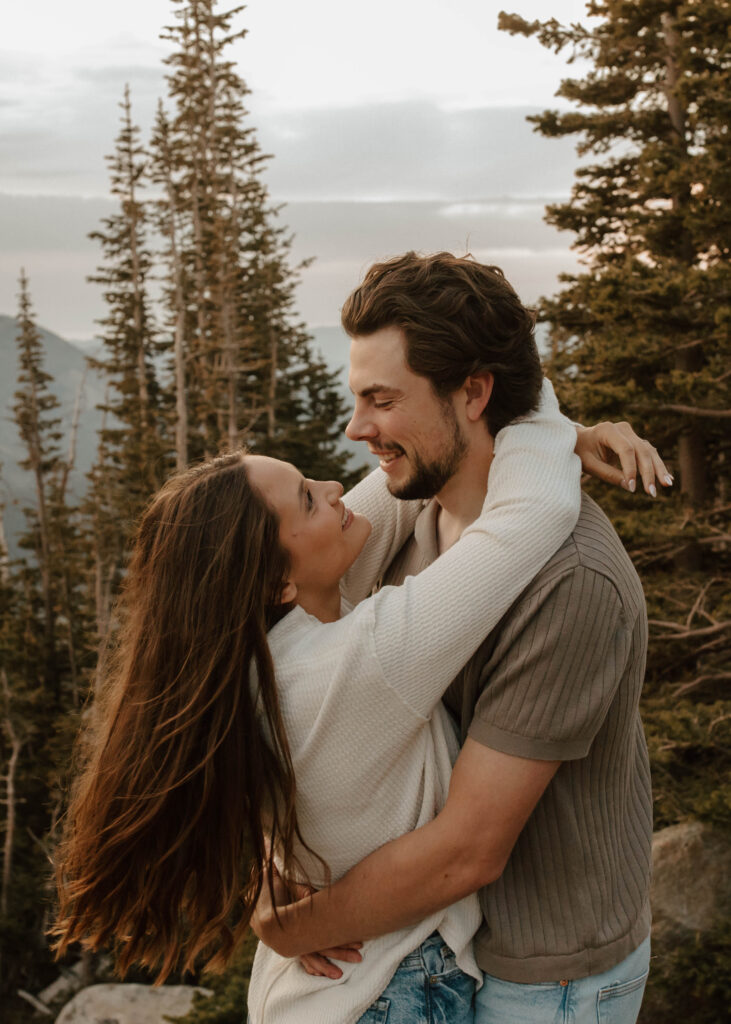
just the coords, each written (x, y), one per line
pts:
(334, 491)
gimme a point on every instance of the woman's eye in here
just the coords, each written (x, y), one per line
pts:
(310, 499)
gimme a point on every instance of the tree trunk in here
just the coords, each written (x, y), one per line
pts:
(272, 396)
(181, 398)
(691, 442)
(16, 745)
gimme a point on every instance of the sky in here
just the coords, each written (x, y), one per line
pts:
(393, 125)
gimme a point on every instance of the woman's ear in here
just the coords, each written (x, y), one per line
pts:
(478, 389)
(289, 592)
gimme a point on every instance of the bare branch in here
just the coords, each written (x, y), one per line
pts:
(699, 681)
(698, 602)
(37, 1005)
(681, 633)
(686, 410)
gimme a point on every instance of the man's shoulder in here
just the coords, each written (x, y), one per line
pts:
(593, 548)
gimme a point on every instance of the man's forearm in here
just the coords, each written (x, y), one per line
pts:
(491, 796)
(396, 886)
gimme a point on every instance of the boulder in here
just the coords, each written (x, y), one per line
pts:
(691, 879)
(128, 1004)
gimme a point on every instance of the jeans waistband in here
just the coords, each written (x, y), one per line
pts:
(430, 955)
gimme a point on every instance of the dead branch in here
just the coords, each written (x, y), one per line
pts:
(686, 410)
(699, 601)
(37, 1005)
(688, 344)
(695, 683)
(717, 721)
(681, 633)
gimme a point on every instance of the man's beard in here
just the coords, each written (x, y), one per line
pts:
(428, 478)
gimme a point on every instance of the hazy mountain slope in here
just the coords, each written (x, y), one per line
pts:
(66, 364)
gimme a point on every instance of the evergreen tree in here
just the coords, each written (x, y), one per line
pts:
(644, 332)
(250, 374)
(35, 412)
(133, 452)
(169, 218)
(42, 657)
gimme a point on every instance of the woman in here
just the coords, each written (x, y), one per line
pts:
(234, 673)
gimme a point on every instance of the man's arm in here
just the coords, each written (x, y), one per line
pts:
(491, 796)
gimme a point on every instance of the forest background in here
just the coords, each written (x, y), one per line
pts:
(202, 347)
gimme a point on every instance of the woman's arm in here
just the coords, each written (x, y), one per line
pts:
(611, 452)
(424, 631)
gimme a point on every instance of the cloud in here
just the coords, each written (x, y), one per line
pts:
(411, 150)
(386, 151)
(111, 75)
(47, 223)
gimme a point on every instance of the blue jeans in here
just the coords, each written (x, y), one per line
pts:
(613, 997)
(427, 988)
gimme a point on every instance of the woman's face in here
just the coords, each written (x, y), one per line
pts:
(322, 537)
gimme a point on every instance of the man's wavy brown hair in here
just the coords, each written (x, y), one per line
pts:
(459, 317)
(186, 769)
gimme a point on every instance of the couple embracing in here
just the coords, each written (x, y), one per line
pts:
(297, 671)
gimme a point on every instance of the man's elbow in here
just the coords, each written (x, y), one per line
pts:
(479, 868)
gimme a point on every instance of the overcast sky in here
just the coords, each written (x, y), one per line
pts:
(396, 124)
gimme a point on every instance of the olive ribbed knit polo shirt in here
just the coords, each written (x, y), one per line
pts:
(559, 678)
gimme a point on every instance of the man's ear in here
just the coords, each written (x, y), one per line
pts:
(289, 592)
(478, 389)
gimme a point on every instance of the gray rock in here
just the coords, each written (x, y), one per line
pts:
(128, 1004)
(691, 883)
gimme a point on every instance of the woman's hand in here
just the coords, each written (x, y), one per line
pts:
(613, 452)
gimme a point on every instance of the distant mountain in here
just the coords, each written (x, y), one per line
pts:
(67, 365)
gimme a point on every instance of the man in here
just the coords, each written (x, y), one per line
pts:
(549, 810)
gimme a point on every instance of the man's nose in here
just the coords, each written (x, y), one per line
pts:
(360, 427)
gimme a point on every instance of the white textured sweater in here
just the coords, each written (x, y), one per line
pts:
(371, 745)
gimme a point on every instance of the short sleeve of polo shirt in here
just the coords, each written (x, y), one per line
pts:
(561, 655)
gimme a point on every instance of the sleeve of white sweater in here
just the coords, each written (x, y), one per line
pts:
(424, 631)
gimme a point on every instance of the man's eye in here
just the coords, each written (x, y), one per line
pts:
(382, 405)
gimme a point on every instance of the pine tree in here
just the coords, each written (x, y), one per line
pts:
(35, 411)
(43, 655)
(644, 332)
(133, 452)
(169, 218)
(250, 374)
(128, 332)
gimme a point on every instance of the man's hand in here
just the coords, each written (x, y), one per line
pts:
(264, 925)
(613, 452)
(320, 964)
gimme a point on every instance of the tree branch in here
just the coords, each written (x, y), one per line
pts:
(695, 683)
(686, 410)
(681, 633)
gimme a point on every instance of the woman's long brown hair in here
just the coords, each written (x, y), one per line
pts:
(186, 768)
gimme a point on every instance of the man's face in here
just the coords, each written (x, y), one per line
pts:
(415, 434)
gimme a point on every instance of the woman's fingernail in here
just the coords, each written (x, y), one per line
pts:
(669, 480)
(632, 485)
(653, 490)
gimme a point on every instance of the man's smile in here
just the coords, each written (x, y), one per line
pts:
(386, 456)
